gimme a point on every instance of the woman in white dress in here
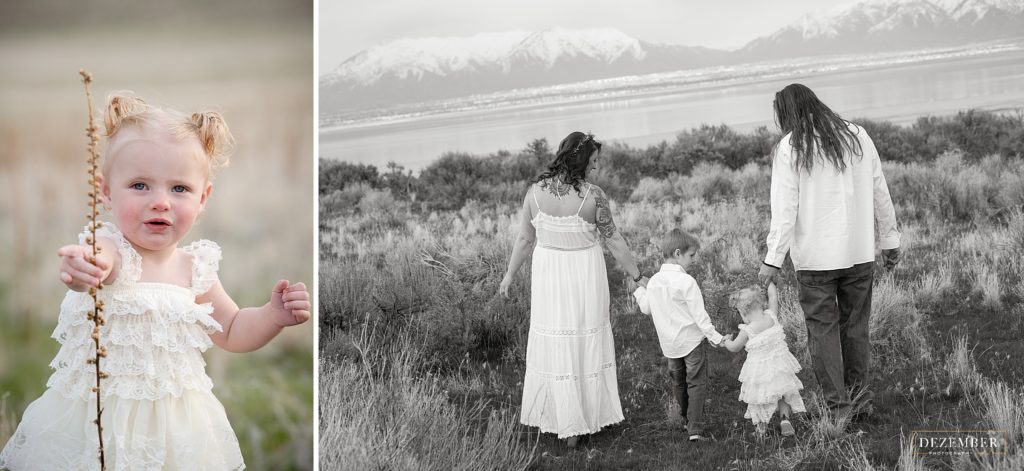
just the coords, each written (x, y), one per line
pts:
(570, 386)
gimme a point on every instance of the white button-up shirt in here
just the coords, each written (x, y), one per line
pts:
(827, 220)
(673, 299)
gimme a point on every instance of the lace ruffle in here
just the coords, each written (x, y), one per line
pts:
(761, 412)
(206, 257)
(131, 262)
(191, 432)
(168, 308)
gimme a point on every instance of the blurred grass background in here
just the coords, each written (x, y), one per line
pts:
(250, 60)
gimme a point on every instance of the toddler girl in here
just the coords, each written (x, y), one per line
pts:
(768, 375)
(164, 306)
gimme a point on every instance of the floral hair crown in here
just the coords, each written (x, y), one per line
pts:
(586, 138)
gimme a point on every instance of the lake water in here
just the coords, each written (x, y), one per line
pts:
(896, 93)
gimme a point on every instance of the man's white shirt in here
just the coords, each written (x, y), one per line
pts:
(825, 219)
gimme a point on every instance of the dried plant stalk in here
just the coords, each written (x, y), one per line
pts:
(96, 316)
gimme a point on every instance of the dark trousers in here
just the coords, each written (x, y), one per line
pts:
(690, 378)
(837, 310)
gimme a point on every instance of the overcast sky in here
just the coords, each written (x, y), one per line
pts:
(350, 26)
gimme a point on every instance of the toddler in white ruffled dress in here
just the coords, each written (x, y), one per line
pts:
(768, 376)
(164, 306)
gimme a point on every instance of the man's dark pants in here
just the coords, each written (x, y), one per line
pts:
(690, 378)
(837, 310)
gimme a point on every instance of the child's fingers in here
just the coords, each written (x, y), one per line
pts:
(280, 286)
(297, 287)
(298, 305)
(300, 316)
(295, 296)
(83, 266)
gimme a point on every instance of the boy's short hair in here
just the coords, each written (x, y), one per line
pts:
(678, 240)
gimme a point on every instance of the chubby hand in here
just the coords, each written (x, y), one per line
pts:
(77, 272)
(289, 303)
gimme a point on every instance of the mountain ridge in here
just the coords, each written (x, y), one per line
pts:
(411, 70)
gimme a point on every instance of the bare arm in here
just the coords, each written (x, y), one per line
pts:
(522, 247)
(613, 239)
(773, 298)
(248, 329)
(735, 345)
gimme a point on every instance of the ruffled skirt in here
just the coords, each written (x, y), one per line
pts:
(767, 377)
(187, 432)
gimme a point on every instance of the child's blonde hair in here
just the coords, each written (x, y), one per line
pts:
(125, 110)
(746, 298)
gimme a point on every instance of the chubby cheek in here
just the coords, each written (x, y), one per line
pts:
(127, 211)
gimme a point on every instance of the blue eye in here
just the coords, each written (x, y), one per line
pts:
(138, 186)
(179, 189)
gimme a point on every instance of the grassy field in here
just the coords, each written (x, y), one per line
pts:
(257, 73)
(422, 364)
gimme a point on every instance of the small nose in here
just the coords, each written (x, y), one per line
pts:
(161, 201)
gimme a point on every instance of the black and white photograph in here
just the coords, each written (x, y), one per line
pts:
(671, 234)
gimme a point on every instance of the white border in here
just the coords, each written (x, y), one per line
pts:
(315, 318)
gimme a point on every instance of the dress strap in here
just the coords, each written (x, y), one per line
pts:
(534, 192)
(589, 186)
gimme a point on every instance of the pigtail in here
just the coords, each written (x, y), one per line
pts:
(122, 108)
(215, 137)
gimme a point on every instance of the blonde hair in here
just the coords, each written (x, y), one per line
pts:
(743, 300)
(125, 110)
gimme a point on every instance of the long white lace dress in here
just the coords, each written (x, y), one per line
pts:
(159, 412)
(570, 386)
(769, 373)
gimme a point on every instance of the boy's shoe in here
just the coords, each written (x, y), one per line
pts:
(698, 437)
(787, 428)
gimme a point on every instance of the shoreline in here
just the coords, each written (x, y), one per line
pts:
(706, 79)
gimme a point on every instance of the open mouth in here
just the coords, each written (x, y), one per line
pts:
(158, 223)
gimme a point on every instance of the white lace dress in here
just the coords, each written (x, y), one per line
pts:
(158, 409)
(769, 373)
(570, 386)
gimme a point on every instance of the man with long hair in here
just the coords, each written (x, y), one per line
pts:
(829, 199)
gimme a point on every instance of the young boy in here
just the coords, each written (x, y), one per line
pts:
(673, 299)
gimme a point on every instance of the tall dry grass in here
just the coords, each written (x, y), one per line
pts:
(449, 264)
(378, 412)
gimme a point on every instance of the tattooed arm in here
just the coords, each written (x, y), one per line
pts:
(612, 238)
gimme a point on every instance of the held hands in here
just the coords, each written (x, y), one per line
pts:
(633, 285)
(767, 274)
(289, 304)
(75, 270)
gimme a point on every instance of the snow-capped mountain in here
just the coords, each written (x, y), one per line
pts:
(423, 69)
(432, 68)
(876, 25)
